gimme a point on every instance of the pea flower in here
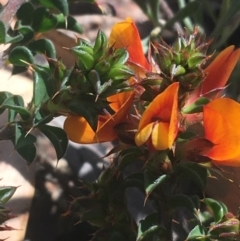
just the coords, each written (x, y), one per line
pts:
(125, 35)
(79, 131)
(158, 125)
(217, 73)
(221, 125)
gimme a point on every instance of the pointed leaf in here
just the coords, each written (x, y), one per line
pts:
(20, 54)
(218, 208)
(16, 104)
(25, 13)
(149, 227)
(180, 200)
(69, 23)
(197, 233)
(24, 144)
(43, 46)
(58, 137)
(6, 193)
(40, 87)
(43, 20)
(4, 95)
(61, 5)
(151, 184)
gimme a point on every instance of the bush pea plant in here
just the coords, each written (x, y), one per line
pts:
(168, 112)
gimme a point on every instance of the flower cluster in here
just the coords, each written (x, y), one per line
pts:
(186, 90)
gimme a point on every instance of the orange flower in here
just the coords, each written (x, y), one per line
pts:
(221, 124)
(78, 129)
(158, 125)
(218, 73)
(125, 35)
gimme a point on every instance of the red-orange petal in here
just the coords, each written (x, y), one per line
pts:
(118, 100)
(125, 35)
(219, 71)
(222, 129)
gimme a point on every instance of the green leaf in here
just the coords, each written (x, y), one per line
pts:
(43, 46)
(3, 96)
(150, 184)
(25, 13)
(193, 175)
(24, 144)
(43, 20)
(41, 86)
(149, 227)
(58, 138)
(180, 200)
(16, 104)
(21, 56)
(61, 5)
(6, 193)
(14, 39)
(129, 156)
(196, 107)
(3, 32)
(28, 153)
(27, 33)
(70, 23)
(218, 208)
(197, 233)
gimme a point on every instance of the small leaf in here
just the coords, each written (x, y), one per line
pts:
(43, 20)
(197, 233)
(61, 5)
(193, 175)
(40, 86)
(20, 54)
(24, 144)
(218, 208)
(70, 23)
(6, 193)
(149, 227)
(58, 137)
(16, 104)
(4, 95)
(129, 156)
(151, 184)
(28, 153)
(25, 13)
(43, 46)
(27, 33)
(180, 200)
